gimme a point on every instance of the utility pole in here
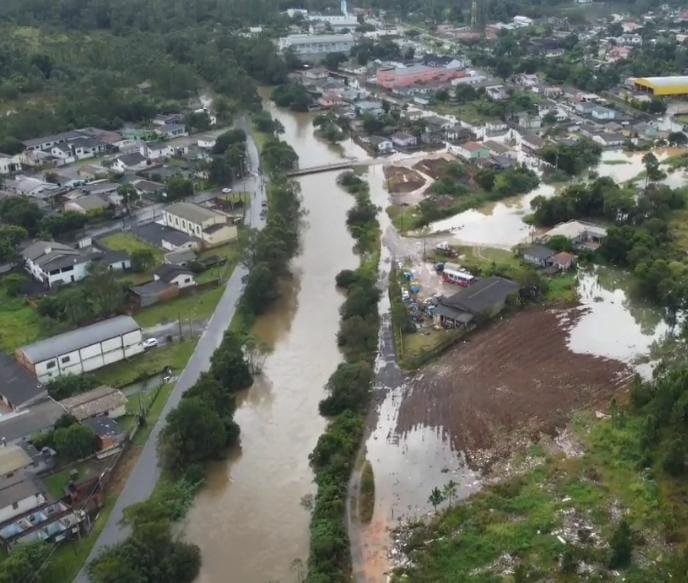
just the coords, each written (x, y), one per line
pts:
(179, 321)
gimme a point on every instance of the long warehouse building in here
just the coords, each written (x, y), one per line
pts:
(663, 86)
(83, 349)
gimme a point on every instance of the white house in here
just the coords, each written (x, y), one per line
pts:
(157, 150)
(10, 164)
(211, 227)
(18, 496)
(130, 162)
(53, 263)
(206, 143)
(83, 349)
(175, 275)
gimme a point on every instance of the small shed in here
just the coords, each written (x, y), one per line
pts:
(102, 400)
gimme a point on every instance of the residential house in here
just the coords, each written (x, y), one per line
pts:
(381, 145)
(163, 119)
(316, 46)
(153, 292)
(53, 263)
(88, 204)
(563, 261)
(483, 299)
(13, 459)
(82, 350)
(211, 227)
(112, 259)
(130, 162)
(180, 258)
(496, 92)
(177, 276)
(102, 400)
(369, 107)
(110, 434)
(10, 164)
(149, 188)
(581, 234)
(30, 186)
(607, 139)
(157, 150)
(457, 134)
(172, 130)
(404, 141)
(537, 255)
(206, 143)
(531, 143)
(19, 495)
(499, 149)
(18, 389)
(471, 151)
(526, 121)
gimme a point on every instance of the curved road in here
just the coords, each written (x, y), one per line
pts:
(146, 472)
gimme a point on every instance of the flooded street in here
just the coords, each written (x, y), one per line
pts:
(249, 519)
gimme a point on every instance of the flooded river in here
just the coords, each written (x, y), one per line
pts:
(249, 520)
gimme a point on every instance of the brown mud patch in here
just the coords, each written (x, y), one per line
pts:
(509, 383)
(402, 180)
(433, 167)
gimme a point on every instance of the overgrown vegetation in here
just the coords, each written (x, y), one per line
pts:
(349, 391)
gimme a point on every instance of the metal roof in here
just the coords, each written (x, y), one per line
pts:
(13, 458)
(191, 212)
(672, 81)
(79, 338)
(97, 401)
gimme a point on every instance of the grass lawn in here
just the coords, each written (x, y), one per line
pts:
(195, 307)
(19, 323)
(525, 516)
(56, 482)
(129, 243)
(562, 289)
(147, 364)
(231, 252)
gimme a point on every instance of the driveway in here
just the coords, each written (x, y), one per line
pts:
(146, 472)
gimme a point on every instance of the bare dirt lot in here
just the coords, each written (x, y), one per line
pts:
(402, 180)
(433, 167)
(507, 384)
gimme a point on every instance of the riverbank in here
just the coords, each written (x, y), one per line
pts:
(349, 390)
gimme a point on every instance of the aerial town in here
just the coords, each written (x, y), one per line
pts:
(377, 292)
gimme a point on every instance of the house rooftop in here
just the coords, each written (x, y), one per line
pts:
(79, 338)
(91, 202)
(131, 159)
(18, 490)
(483, 295)
(103, 426)
(13, 458)
(167, 272)
(94, 402)
(538, 251)
(16, 385)
(191, 212)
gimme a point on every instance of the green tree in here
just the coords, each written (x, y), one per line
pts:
(179, 187)
(149, 555)
(621, 545)
(229, 365)
(75, 442)
(436, 498)
(24, 563)
(449, 491)
(128, 194)
(194, 433)
(142, 260)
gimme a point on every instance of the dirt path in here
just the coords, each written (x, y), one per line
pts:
(508, 382)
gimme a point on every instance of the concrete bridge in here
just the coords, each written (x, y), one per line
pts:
(343, 165)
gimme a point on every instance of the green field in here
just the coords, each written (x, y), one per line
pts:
(231, 252)
(147, 364)
(196, 307)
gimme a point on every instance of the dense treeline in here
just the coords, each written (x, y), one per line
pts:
(349, 391)
(138, 58)
(639, 239)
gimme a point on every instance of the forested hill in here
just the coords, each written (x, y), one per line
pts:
(75, 63)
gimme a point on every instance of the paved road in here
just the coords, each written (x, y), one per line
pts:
(146, 472)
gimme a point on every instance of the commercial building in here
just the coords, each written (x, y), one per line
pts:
(83, 349)
(663, 86)
(401, 77)
(316, 46)
(211, 227)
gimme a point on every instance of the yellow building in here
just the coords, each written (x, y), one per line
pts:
(663, 86)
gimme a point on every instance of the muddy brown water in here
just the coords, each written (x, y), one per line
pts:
(249, 519)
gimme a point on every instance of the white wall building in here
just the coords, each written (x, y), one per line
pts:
(53, 263)
(316, 45)
(83, 349)
(211, 227)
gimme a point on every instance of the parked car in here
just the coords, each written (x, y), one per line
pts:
(150, 343)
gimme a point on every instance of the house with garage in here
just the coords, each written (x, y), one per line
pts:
(211, 227)
(54, 263)
(82, 350)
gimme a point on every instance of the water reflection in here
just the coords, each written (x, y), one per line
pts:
(613, 324)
